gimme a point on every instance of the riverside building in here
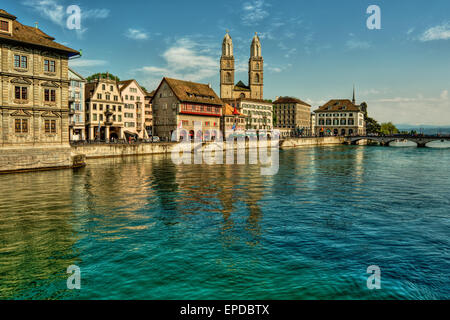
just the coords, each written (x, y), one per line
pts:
(133, 97)
(104, 110)
(292, 116)
(182, 106)
(76, 106)
(341, 118)
(34, 80)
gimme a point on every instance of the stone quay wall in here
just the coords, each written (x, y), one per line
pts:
(59, 157)
(35, 159)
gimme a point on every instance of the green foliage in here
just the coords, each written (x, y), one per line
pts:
(388, 128)
(372, 126)
(102, 75)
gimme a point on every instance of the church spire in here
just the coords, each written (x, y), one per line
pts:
(255, 49)
(354, 100)
(227, 46)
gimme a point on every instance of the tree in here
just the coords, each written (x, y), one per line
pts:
(388, 128)
(103, 75)
(372, 126)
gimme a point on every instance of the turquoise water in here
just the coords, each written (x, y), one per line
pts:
(144, 228)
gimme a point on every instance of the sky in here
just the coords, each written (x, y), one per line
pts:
(312, 50)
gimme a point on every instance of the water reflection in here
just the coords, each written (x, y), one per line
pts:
(146, 228)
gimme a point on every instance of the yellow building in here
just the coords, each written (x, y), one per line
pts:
(34, 86)
(292, 116)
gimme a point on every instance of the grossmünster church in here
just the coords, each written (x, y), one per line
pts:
(228, 89)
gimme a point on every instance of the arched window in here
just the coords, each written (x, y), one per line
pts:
(257, 78)
(228, 77)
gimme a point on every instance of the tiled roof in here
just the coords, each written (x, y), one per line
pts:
(230, 111)
(339, 105)
(7, 15)
(123, 84)
(281, 100)
(187, 91)
(33, 36)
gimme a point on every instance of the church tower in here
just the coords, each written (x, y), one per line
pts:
(227, 68)
(256, 69)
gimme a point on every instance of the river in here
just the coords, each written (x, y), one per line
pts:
(145, 228)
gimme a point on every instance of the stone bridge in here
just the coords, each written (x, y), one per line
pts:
(421, 140)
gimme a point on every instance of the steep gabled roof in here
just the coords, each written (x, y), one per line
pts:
(33, 36)
(187, 91)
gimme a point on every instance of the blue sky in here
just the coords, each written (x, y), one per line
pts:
(313, 50)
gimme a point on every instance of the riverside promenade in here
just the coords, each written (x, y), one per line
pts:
(24, 159)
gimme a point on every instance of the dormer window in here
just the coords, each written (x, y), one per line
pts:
(4, 26)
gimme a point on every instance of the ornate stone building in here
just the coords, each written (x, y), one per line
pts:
(34, 86)
(104, 110)
(254, 89)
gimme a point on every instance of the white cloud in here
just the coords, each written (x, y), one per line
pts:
(412, 110)
(80, 63)
(95, 14)
(441, 32)
(56, 13)
(254, 12)
(184, 60)
(49, 9)
(136, 34)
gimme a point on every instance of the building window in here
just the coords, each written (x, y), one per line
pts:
(49, 95)
(4, 26)
(49, 66)
(50, 126)
(99, 96)
(20, 61)
(21, 126)
(21, 93)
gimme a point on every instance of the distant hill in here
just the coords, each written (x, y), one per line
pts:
(425, 129)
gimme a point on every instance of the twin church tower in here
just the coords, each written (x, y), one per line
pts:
(230, 90)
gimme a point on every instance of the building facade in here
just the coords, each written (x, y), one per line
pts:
(187, 108)
(258, 113)
(133, 97)
(232, 121)
(104, 110)
(76, 106)
(292, 116)
(340, 118)
(148, 113)
(228, 89)
(34, 86)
